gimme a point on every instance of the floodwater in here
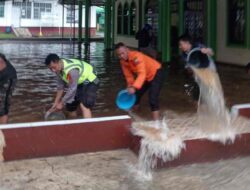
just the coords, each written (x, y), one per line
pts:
(37, 85)
(110, 170)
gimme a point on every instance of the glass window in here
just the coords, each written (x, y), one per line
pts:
(237, 22)
(26, 10)
(174, 26)
(194, 19)
(132, 18)
(71, 11)
(40, 8)
(151, 18)
(119, 19)
(2, 9)
(70, 15)
(17, 4)
(126, 19)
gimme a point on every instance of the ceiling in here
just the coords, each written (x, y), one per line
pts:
(71, 2)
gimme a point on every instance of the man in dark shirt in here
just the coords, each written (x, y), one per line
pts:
(145, 39)
(248, 68)
(191, 52)
(8, 79)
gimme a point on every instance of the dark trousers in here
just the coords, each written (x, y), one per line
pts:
(6, 91)
(85, 94)
(154, 88)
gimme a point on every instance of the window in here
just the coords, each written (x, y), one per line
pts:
(119, 19)
(194, 19)
(71, 14)
(126, 19)
(152, 18)
(25, 8)
(17, 4)
(132, 18)
(237, 22)
(41, 8)
(2, 9)
(174, 26)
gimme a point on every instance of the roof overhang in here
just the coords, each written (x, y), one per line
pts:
(75, 2)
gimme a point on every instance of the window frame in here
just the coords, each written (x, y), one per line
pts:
(125, 24)
(2, 7)
(245, 43)
(132, 17)
(119, 21)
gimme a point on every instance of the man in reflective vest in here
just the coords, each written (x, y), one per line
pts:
(81, 81)
(142, 73)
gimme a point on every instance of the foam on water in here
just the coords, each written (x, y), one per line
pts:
(163, 142)
(156, 145)
(214, 117)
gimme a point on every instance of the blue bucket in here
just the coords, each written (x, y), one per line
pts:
(124, 100)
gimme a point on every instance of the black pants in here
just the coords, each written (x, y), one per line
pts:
(154, 88)
(5, 95)
(85, 94)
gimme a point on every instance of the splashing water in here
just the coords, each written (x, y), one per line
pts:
(2, 145)
(156, 145)
(214, 117)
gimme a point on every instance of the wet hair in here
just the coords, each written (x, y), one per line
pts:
(248, 67)
(118, 45)
(2, 56)
(51, 57)
(186, 38)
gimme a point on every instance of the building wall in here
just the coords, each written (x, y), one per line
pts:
(56, 31)
(231, 55)
(53, 19)
(128, 40)
(6, 20)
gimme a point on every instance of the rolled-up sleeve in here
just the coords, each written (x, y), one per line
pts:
(60, 83)
(73, 76)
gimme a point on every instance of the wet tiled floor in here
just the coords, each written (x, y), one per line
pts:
(113, 171)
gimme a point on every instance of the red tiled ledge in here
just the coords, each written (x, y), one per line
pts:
(57, 138)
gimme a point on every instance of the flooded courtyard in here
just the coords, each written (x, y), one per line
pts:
(111, 170)
(36, 87)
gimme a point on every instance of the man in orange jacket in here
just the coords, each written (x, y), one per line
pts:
(142, 73)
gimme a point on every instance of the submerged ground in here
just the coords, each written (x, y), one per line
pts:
(112, 170)
(37, 85)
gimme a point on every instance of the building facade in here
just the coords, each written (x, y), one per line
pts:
(47, 16)
(223, 25)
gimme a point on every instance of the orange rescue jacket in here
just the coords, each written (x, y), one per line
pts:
(143, 66)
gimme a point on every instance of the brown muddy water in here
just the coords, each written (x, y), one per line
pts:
(112, 170)
(37, 85)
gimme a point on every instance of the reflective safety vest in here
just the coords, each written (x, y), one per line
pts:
(86, 71)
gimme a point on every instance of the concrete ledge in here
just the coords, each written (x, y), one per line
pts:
(44, 139)
(58, 138)
(202, 150)
(241, 109)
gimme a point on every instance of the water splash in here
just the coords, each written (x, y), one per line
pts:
(156, 145)
(2, 145)
(214, 117)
